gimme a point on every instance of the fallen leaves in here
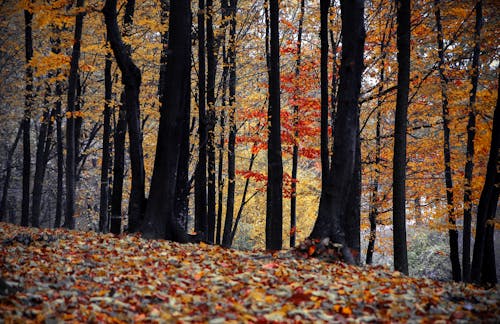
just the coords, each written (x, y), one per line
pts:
(88, 277)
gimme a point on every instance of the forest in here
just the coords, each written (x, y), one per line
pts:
(360, 131)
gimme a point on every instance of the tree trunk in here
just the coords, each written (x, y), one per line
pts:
(231, 170)
(333, 205)
(471, 134)
(325, 161)
(60, 156)
(400, 124)
(131, 79)
(42, 154)
(8, 171)
(69, 221)
(452, 232)
(274, 205)
(295, 149)
(483, 268)
(200, 197)
(118, 170)
(161, 221)
(211, 121)
(106, 151)
(29, 98)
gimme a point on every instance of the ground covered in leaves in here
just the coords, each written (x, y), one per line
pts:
(58, 275)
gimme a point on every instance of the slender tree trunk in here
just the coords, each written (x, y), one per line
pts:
(69, 221)
(325, 169)
(220, 178)
(334, 203)
(274, 205)
(483, 268)
(200, 197)
(161, 221)
(8, 171)
(29, 98)
(231, 168)
(295, 149)
(400, 124)
(42, 151)
(452, 232)
(118, 170)
(471, 134)
(106, 151)
(211, 121)
(60, 155)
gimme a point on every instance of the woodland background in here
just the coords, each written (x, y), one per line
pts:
(42, 110)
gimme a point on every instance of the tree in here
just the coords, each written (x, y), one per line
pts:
(106, 150)
(29, 97)
(160, 219)
(200, 183)
(8, 172)
(452, 232)
(295, 149)
(334, 205)
(274, 205)
(400, 125)
(471, 134)
(131, 79)
(69, 221)
(483, 268)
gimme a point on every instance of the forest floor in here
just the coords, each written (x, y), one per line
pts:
(57, 275)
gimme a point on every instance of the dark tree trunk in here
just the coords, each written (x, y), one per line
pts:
(274, 205)
(69, 221)
(220, 178)
(44, 143)
(471, 134)
(325, 161)
(29, 97)
(231, 163)
(60, 156)
(161, 221)
(295, 149)
(333, 205)
(400, 124)
(106, 151)
(200, 184)
(352, 219)
(8, 171)
(183, 185)
(452, 232)
(483, 268)
(118, 170)
(131, 79)
(211, 120)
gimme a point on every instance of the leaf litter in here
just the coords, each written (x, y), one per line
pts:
(55, 275)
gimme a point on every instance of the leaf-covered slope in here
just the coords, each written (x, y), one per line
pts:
(84, 276)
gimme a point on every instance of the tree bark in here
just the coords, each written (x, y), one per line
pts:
(29, 97)
(211, 121)
(295, 148)
(483, 268)
(69, 221)
(161, 221)
(106, 151)
(8, 172)
(333, 205)
(471, 134)
(325, 160)
(200, 197)
(118, 170)
(274, 205)
(131, 79)
(228, 222)
(452, 231)
(400, 125)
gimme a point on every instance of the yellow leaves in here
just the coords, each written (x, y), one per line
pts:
(43, 64)
(74, 114)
